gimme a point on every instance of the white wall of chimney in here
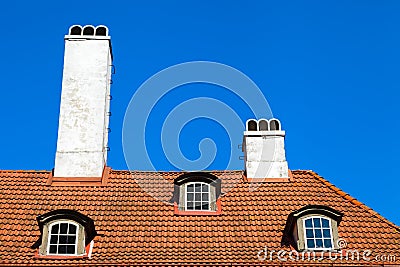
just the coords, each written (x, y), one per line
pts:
(83, 122)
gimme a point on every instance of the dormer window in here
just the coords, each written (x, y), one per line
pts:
(64, 233)
(318, 233)
(313, 228)
(197, 194)
(64, 237)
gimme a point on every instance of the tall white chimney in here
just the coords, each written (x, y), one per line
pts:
(85, 102)
(264, 150)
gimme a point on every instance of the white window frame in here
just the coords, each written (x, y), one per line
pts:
(49, 237)
(209, 195)
(305, 233)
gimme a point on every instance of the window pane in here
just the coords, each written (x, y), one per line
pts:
(189, 205)
(318, 243)
(63, 228)
(197, 187)
(318, 233)
(205, 206)
(205, 196)
(54, 229)
(71, 239)
(70, 249)
(309, 233)
(197, 205)
(62, 239)
(204, 188)
(62, 249)
(327, 243)
(53, 249)
(53, 239)
(197, 196)
(310, 243)
(308, 223)
(190, 197)
(190, 188)
(327, 233)
(72, 229)
(325, 223)
(317, 222)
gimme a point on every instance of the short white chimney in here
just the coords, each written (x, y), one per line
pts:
(264, 150)
(85, 101)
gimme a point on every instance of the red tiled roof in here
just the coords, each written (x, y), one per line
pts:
(136, 229)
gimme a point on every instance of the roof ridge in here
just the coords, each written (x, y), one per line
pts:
(353, 200)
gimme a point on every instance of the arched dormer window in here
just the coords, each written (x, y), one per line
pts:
(64, 233)
(317, 233)
(64, 237)
(197, 194)
(313, 228)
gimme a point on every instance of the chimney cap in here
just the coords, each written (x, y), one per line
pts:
(264, 127)
(88, 32)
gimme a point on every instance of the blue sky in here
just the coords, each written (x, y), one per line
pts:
(329, 70)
